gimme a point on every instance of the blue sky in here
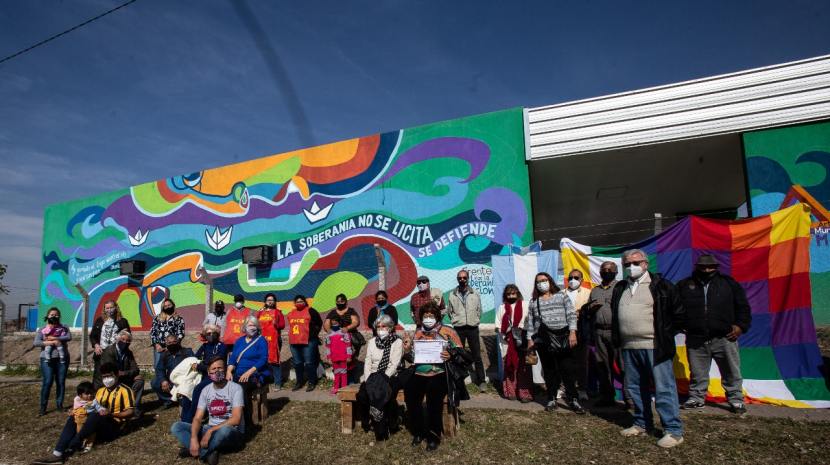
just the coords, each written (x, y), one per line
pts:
(162, 88)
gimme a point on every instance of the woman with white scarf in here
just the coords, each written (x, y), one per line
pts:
(377, 397)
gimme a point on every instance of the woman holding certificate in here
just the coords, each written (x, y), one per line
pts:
(431, 343)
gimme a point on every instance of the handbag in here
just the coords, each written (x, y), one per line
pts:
(554, 340)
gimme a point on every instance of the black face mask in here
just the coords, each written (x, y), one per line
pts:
(341, 306)
(122, 346)
(705, 276)
(512, 300)
(381, 303)
(173, 348)
(53, 320)
(219, 310)
(607, 275)
(169, 310)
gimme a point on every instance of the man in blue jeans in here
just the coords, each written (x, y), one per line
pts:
(645, 315)
(223, 402)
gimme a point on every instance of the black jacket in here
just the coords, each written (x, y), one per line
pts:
(126, 363)
(668, 313)
(458, 368)
(95, 334)
(725, 305)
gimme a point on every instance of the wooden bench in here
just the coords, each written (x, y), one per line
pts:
(348, 413)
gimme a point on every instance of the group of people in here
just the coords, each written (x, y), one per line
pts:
(628, 324)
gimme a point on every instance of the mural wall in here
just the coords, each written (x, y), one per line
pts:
(789, 165)
(434, 199)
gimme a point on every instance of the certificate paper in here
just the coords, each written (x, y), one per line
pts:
(429, 351)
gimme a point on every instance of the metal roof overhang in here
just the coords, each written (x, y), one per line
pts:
(778, 95)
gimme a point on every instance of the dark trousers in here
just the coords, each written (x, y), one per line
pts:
(606, 355)
(390, 411)
(469, 337)
(559, 367)
(189, 405)
(426, 424)
(105, 429)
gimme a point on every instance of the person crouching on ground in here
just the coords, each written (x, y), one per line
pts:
(222, 402)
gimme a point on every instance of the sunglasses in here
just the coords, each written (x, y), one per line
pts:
(423, 281)
(574, 277)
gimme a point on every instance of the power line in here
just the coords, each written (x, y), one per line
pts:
(45, 41)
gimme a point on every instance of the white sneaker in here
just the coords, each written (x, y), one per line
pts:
(632, 431)
(669, 440)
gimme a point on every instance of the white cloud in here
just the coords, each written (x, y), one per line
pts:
(19, 226)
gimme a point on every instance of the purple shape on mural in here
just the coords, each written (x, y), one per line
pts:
(510, 208)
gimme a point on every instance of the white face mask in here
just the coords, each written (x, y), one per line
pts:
(423, 286)
(574, 284)
(634, 271)
(382, 333)
(109, 381)
(238, 304)
(543, 286)
(428, 323)
(251, 331)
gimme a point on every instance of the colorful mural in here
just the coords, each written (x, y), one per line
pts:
(789, 165)
(434, 199)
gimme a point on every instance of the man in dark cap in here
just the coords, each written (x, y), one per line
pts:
(717, 313)
(424, 295)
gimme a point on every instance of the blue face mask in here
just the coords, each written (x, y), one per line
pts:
(335, 328)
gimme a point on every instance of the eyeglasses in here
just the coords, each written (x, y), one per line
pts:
(574, 277)
(634, 262)
(423, 281)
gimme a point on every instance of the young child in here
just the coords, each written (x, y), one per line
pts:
(56, 331)
(339, 351)
(84, 404)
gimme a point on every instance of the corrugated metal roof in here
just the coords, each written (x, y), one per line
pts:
(765, 97)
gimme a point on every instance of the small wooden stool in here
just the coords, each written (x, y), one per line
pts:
(348, 397)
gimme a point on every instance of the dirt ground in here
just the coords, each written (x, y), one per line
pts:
(307, 432)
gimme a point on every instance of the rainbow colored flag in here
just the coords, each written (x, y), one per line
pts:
(770, 257)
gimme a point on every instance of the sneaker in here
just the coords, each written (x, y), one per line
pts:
(297, 387)
(212, 458)
(692, 404)
(86, 450)
(51, 458)
(633, 430)
(184, 453)
(432, 445)
(310, 387)
(576, 407)
(551, 406)
(417, 440)
(482, 387)
(669, 440)
(737, 408)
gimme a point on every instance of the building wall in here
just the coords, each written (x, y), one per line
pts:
(793, 164)
(435, 199)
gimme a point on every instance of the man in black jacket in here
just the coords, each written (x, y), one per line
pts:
(645, 315)
(717, 313)
(120, 355)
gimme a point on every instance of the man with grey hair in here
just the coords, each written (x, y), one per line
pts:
(646, 313)
(120, 355)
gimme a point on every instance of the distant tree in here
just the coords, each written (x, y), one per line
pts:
(3, 288)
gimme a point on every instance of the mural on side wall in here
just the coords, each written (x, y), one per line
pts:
(789, 165)
(430, 200)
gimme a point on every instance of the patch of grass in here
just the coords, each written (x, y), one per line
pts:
(823, 336)
(309, 433)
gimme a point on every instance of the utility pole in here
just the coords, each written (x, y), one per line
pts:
(84, 324)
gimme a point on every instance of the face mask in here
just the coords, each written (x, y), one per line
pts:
(428, 322)
(122, 346)
(173, 348)
(109, 381)
(381, 303)
(53, 320)
(423, 286)
(110, 312)
(299, 305)
(270, 304)
(383, 333)
(238, 305)
(607, 275)
(219, 310)
(168, 310)
(217, 376)
(634, 271)
(512, 300)
(335, 328)
(543, 286)
(341, 306)
(574, 284)
(213, 337)
(251, 331)
(462, 283)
